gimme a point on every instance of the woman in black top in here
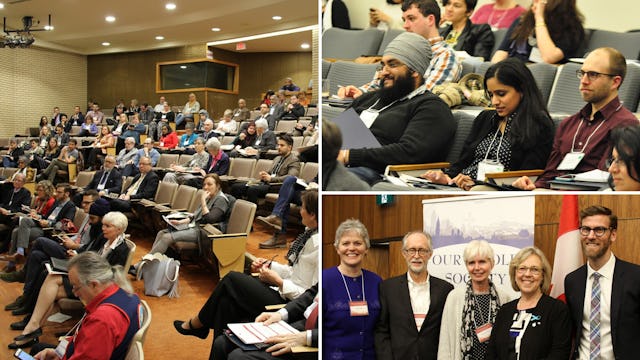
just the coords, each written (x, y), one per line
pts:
(517, 135)
(462, 34)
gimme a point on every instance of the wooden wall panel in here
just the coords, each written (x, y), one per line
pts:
(393, 221)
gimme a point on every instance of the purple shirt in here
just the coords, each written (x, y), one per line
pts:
(597, 150)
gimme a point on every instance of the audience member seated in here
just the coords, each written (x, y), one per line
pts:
(68, 155)
(534, 326)
(335, 177)
(289, 85)
(240, 298)
(518, 135)
(31, 227)
(276, 109)
(582, 142)
(461, 332)
(215, 207)
(386, 16)
(218, 163)
(264, 114)
(242, 112)
(61, 136)
(118, 111)
(89, 127)
(302, 98)
(121, 126)
(346, 335)
(162, 118)
(45, 135)
(187, 140)
(227, 125)
(77, 118)
(168, 140)
(183, 172)
(285, 164)
(293, 110)
(247, 136)
(126, 159)
(411, 124)
(134, 129)
(463, 35)
(133, 108)
(51, 152)
(335, 14)
(10, 159)
(66, 124)
(106, 181)
(499, 14)
(99, 148)
(545, 33)
(266, 99)
(202, 116)
(160, 105)
(421, 17)
(143, 186)
(265, 140)
(208, 132)
(146, 114)
(147, 151)
(44, 121)
(29, 173)
(302, 130)
(55, 118)
(33, 150)
(13, 197)
(624, 163)
(189, 110)
(113, 252)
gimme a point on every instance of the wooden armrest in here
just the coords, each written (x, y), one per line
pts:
(303, 349)
(414, 167)
(223, 236)
(515, 173)
(274, 307)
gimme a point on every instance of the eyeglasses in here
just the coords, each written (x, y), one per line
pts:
(75, 288)
(598, 230)
(389, 65)
(591, 75)
(413, 252)
(532, 269)
(614, 161)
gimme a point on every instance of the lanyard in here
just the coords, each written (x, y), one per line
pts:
(477, 307)
(573, 144)
(419, 91)
(348, 293)
(500, 143)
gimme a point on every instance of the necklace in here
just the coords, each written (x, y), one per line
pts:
(494, 26)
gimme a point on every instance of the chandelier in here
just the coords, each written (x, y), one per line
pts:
(22, 38)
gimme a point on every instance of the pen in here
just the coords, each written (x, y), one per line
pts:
(268, 263)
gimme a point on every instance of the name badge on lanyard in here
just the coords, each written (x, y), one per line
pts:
(61, 349)
(571, 160)
(484, 332)
(487, 167)
(368, 117)
(359, 308)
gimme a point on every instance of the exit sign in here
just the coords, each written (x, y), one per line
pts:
(384, 199)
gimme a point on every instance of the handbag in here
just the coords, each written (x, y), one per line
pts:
(160, 275)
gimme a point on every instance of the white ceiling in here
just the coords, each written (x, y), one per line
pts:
(80, 26)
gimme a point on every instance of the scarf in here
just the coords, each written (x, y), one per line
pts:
(469, 309)
(296, 247)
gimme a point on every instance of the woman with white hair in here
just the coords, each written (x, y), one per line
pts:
(55, 287)
(227, 125)
(471, 309)
(198, 161)
(347, 336)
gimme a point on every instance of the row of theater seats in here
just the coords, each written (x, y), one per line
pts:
(349, 44)
(558, 83)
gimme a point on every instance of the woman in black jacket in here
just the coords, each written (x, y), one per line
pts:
(462, 34)
(517, 135)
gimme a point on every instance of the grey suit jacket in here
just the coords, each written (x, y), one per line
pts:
(625, 307)
(397, 336)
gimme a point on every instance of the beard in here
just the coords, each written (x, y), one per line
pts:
(402, 86)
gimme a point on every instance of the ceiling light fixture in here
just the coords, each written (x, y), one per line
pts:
(263, 36)
(110, 18)
(215, 29)
(183, 66)
(159, 37)
(170, 6)
(106, 43)
(22, 37)
(305, 46)
(277, 17)
(1, 6)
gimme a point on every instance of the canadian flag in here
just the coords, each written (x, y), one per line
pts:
(568, 255)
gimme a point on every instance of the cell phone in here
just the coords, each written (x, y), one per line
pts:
(22, 355)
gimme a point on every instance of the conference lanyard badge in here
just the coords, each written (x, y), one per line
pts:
(359, 308)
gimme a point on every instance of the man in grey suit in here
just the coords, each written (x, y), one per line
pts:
(411, 306)
(604, 294)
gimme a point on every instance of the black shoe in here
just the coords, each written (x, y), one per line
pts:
(202, 332)
(20, 311)
(16, 304)
(20, 325)
(30, 343)
(133, 271)
(34, 334)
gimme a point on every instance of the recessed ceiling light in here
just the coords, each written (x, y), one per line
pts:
(106, 43)
(276, 17)
(48, 27)
(215, 29)
(160, 37)
(1, 6)
(170, 6)
(305, 46)
(183, 66)
(110, 18)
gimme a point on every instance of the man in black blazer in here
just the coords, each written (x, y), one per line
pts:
(13, 196)
(411, 306)
(619, 283)
(143, 186)
(105, 181)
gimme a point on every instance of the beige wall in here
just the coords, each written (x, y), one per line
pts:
(35, 80)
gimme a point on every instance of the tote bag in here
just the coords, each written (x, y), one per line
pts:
(160, 275)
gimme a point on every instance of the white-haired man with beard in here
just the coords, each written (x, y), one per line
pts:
(411, 124)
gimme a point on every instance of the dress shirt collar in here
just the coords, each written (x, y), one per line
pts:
(606, 270)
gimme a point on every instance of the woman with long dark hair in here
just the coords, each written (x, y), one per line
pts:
(517, 135)
(624, 164)
(550, 31)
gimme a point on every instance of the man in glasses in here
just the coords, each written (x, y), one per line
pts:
(582, 140)
(411, 302)
(411, 124)
(604, 295)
